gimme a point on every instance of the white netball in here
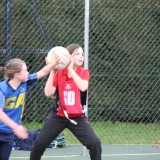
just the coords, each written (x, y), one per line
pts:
(60, 52)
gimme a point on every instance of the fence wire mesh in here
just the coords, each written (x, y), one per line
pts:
(124, 60)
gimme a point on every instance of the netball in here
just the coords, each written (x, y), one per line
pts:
(60, 52)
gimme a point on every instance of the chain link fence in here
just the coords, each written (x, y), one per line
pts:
(124, 60)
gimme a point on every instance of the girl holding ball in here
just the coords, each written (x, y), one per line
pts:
(69, 86)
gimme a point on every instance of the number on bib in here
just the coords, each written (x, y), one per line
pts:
(69, 97)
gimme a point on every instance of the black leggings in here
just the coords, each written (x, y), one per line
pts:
(54, 125)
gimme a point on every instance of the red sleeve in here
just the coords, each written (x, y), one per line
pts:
(55, 80)
(86, 75)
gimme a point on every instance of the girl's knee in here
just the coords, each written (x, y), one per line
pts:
(97, 142)
(94, 143)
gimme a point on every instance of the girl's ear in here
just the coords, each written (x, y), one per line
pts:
(16, 75)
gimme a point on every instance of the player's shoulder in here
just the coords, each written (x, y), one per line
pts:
(2, 83)
(62, 71)
(83, 70)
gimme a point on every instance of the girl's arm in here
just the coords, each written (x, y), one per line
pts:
(46, 70)
(18, 130)
(81, 83)
(49, 89)
(6, 120)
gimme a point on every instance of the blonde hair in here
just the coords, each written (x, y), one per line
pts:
(13, 66)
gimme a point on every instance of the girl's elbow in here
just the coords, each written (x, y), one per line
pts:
(84, 88)
(48, 94)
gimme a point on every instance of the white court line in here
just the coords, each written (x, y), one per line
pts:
(134, 154)
(104, 155)
(47, 157)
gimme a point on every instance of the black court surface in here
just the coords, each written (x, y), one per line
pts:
(109, 152)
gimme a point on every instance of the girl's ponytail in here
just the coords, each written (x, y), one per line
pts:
(2, 68)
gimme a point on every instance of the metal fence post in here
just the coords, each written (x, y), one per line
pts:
(86, 51)
(8, 31)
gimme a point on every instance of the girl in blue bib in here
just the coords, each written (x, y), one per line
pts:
(13, 92)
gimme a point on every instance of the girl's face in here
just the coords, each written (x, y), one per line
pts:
(79, 57)
(23, 75)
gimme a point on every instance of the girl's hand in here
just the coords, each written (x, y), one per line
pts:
(56, 60)
(70, 66)
(20, 132)
(46, 60)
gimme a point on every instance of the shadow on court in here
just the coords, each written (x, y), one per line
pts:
(109, 152)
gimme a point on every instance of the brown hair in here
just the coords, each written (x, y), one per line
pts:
(72, 47)
(1, 68)
(13, 66)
